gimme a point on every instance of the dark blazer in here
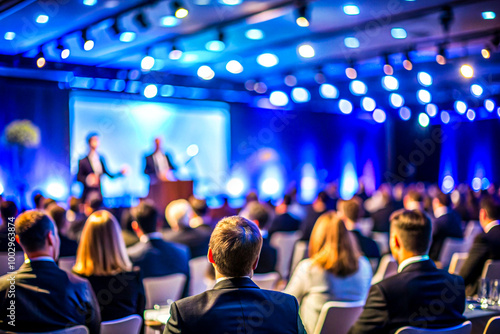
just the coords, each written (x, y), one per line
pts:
(84, 169)
(448, 225)
(381, 218)
(235, 305)
(67, 246)
(195, 238)
(486, 246)
(119, 295)
(368, 247)
(48, 298)
(284, 223)
(267, 260)
(150, 169)
(420, 296)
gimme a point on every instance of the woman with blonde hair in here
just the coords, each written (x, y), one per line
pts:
(335, 270)
(102, 259)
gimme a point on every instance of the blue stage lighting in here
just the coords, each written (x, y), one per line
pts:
(390, 83)
(405, 113)
(328, 91)
(424, 96)
(448, 184)
(300, 95)
(489, 105)
(396, 100)
(424, 79)
(471, 114)
(431, 109)
(445, 117)
(351, 10)
(460, 107)
(379, 116)
(358, 87)
(368, 104)
(423, 120)
(278, 98)
(476, 90)
(351, 42)
(345, 106)
(399, 33)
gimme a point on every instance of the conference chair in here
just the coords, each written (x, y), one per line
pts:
(464, 328)
(4, 262)
(493, 326)
(159, 290)
(66, 263)
(284, 243)
(198, 268)
(71, 330)
(457, 261)
(299, 253)
(491, 270)
(266, 281)
(338, 317)
(128, 325)
(387, 268)
(451, 246)
(472, 229)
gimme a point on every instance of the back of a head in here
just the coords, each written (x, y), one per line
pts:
(8, 209)
(351, 209)
(58, 215)
(101, 250)
(235, 245)
(492, 207)
(32, 228)
(199, 206)
(48, 202)
(178, 213)
(259, 212)
(287, 199)
(38, 199)
(414, 196)
(146, 216)
(74, 204)
(442, 198)
(414, 230)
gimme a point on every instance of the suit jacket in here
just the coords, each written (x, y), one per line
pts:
(150, 168)
(119, 295)
(486, 246)
(368, 247)
(284, 223)
(235, 305)
(195, 238)
(84, 169)
(448, 225)
(267, 260)
(381, 218)
(420, 296)
(48, 298)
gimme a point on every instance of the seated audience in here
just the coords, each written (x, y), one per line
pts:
(317, 208)
(178, 214)
(235, 304)
(8, 209)
(38, 200)
(46, 297)
(103, 260)
(420, 295)
(284, 220)
(413, 200)
(349, 212)
(92, 203)
(259, 214)
(380, 206)
(486, 245)
(335, 270)
(201, 217)
(68, 247)
(152, 254)
(447, 224)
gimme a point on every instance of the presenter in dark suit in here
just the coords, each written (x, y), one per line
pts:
(92, 167)
(236, 304)
(420, 295)
(46, 298)
(486, 245)
(159, 166)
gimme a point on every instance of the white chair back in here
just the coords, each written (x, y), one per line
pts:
(451, 246)
(472, 229)
(493, 326)
(386, 268)
(17, 260)
(382, 240)
(457, 261)
(159, 290)
(338, 317)
(366, 226)
(128, 325)
(198, 268)
(284, 243)
(266, 281)
(299, 253)
(66, 263)
(71, 330)
(491, 270)
(464, 328)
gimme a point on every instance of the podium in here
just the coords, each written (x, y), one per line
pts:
(164, 192)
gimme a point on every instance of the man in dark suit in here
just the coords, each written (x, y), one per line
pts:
(486, 245)
(447, 224)
(284, 221)
(349, 211)
(259, 214)
(235, 304)
(152, 254)
(159, 164)
(46, 298)
(92, 167)
(420, 295)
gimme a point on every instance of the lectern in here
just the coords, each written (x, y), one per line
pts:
(164, 192)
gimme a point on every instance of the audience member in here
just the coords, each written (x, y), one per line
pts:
(102, 259)
(317, 208)
(46, 297)
(38, 200)
(284, 220)
(8, 210)
(235, 304)
(178, 214)
(380, 207)
(68, 247)
(334, 271)
(93, 202)
(420, 295)
(201, 217)
(486, 245)
(413, 200)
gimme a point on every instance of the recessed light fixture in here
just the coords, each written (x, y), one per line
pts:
(169, 21)
(42, 19)
(351, 42)
(127, 36)
(254, 34)
(399, 33)
(489, 15)
(89, 2)
(351, 10)
(9, 35)
(267, 60)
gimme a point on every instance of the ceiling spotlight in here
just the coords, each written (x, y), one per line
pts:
(88, 44)
(64, 51)
(306, 51)
(486, 53)
(350, 71)
(40, 59)
(302, 15)
(290, 80)
(216, 45)
(446, 18)
(320, 77)
(179, 10)
(407, 64)
(141, 19)
(175, 53)
(234, 66)
(441, 55)
(147, 62)
(388, 70)
(467, 71)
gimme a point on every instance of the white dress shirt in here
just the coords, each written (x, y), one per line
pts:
(161, 163)
(95, 162)
(410, 260)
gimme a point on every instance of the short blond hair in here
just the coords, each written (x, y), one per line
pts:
(101, 250)
(178, 213)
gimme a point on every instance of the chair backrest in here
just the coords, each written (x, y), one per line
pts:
(464, 328)
(66, 263)
(18, 260)
(382, 240)
(266, 281)
(457, 261)
(472, 229)
(284, 243)
(491, 270)
(338, 317)
(451, 246)
(387, 268)
(71, 330)
(128, 325)
(299, 253)
(198, 269)
(493, 326)
(161, 289)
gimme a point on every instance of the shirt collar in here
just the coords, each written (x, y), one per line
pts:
(226, 278)
(411, 260)
(491, 225)
(42, 258)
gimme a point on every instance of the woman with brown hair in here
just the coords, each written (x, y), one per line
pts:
(102, 259)
(335, 270)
